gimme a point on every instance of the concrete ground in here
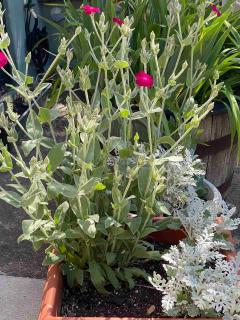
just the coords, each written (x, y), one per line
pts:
(19, 298)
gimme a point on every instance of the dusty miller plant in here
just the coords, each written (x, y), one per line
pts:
(78, 192)
(199, 280)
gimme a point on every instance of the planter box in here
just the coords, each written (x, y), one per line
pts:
(51, 300)
(52, 294)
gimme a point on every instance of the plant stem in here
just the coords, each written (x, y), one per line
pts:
(150, 133)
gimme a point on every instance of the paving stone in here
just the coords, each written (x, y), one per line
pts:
(20, 298)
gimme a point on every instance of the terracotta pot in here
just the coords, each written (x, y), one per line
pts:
(171, 237)
(167, 236)
(51, 300)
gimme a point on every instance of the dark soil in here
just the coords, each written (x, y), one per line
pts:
(144, 300)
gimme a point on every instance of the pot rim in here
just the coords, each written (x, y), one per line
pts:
(215, 194)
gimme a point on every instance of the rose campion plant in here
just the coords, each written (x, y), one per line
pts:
(81, 190)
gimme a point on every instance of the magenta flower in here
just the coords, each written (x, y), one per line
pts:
(90, 10)
(216, 10)
(118, 21)
(3, 59)
(144, 80)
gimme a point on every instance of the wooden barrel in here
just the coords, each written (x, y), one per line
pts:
(216, 151)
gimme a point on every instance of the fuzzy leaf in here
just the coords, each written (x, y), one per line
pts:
(56, 156)
(60, 213)
(28, 146)
(44, 115)
(6, 161)
(134, 224)
(88, 227)
(11, 198)
(97, 278)
(111, 276)
(52, 258)
(67, 190)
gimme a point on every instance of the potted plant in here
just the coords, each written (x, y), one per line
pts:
(199, 24)
(92, 196)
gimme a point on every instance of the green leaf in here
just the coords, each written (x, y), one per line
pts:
(88, 227)
(74, 275)
(175, 224)
(67, 190)
(167, 140)
(28, 146)
(147, 231)
(121, 64)
(52, 258)
(47, 143)
(56, 156)
(28, 80)
(44, 115)
(110, 221)
(33, 126)
(60, 213)
(136, 137)
(125, 153)
(4, 42)
(57, 235)
(142, 253)
(134, 224)
(111, 276)
(145, 183)
(124, 113)
(129, 277)
(159, 208)
(6, 160)
(100, 186)
(97, 278)
(111, 257)
(139, 272)
(11, 197)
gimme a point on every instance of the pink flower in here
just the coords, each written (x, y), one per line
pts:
(143, 79)
(118, 21)
(90, 10)
(216, 10)
(3, 59)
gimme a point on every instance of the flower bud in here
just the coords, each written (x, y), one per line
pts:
(28, 58)
(102, 25)
(145, 54)
(216, 75)
(78, 30)
(154, 47)
(84, 80)
(69, 55)
(125, 28)
(63, 46)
